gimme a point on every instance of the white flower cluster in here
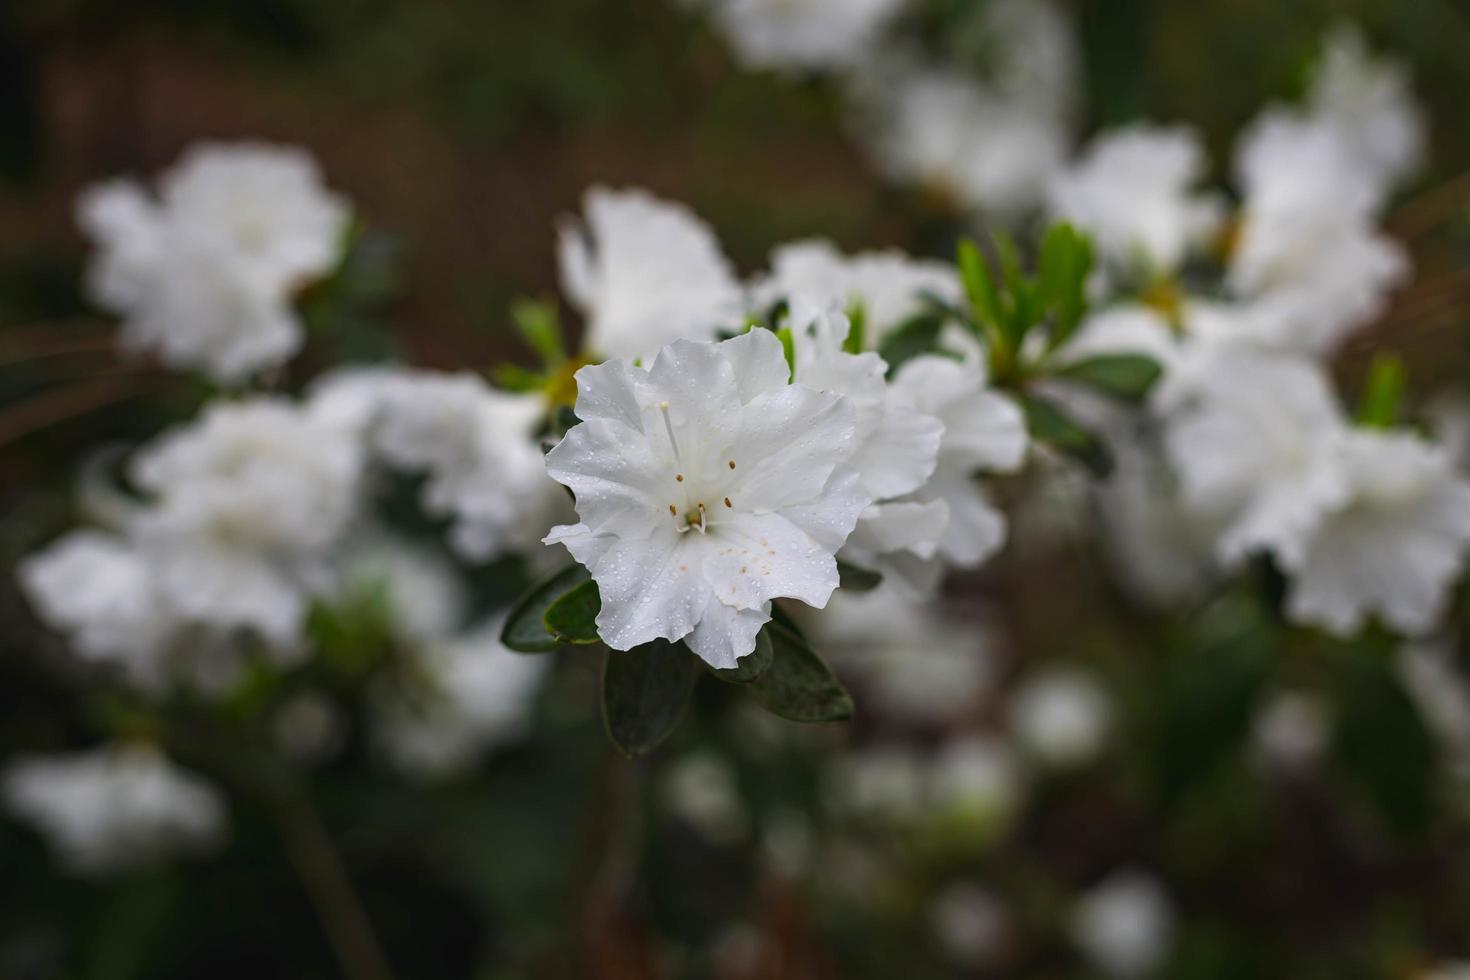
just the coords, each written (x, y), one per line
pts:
(114, 807)
(1263, 458)
(713, 477)
(204, 273)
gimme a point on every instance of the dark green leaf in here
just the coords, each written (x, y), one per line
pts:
(918, 335)
(857, 333)
(1050, 425)
(752, 665)
(979, 286)
(573, 617)
(1066, 262)
(525, 628)
(857, 579)
(644, 691)
(1384, 392)
(798, 685)
(1127, 376)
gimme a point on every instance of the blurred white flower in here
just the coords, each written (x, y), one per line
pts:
(425, 598)
(1291, 730)
(1368, 103)
(479, 696)
(1134, 190)
(970, 923)
(1061, 718)
(478, 449)
(983, 430)
(114, 807)
(99, 590)
(1440, 693)
(1393, 546)
(812, 35)
(204, 273)
(976, 778)
(888, 286)
(1124, 925)
(1253, 439)
(948, 133)
(707, 485)
(308, 728)
(247, 502)
(913, 662)
(645, 272)
(701, 790)
(1307, 254)
(1447, 970)
(884, 784)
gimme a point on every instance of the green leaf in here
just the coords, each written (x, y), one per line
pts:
(513, 377)
(1050, 425)
(798, 685)
(525, 628)
(979, 286)
(1126, 376)
(644, 691)
(856, 579)
(1384, 392)
(1066, 262)
(788, 347)
(539, 325)
(573, 617)
(917, 335)
(751, 666)
(857, 316)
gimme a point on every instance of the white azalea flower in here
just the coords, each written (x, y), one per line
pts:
(479, 451)
(707, 485)
(888, 286)
(1368, 103)
(1134, 191)
(114, 807)
(983, 430)
(204, 274)
(248, 501)
(1061, 718)
(425, 598)
(99, 590)
(480, 695)
(645, 272)
(1393, 546)
(1307, 254)
(1124, 925)
(897, 446)
(802, 34)
(1253, 440)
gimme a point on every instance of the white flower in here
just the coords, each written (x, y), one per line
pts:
(1307, 255)
(645, 272)
(1368, 103)
(707, 485)
(478, 448)
(1133, 191)
(248, 502)
(480, 696)
(204, 273)
(425, 599)
(976, 777)
(114, 807)
(1061, 718)
(802, 34)
(897, 446)
(1124, 925)
(970, 923)
(701, 789)
(913, 662)
(1393, 546)
(99, 590)
(983, 430)
(1252, 438)
(947, 132)
(1291, 730)
(889, 286)
(883, 784)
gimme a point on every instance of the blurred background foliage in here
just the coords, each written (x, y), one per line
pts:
(462, 130)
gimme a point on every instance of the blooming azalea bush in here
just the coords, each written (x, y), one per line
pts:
(1081, 593)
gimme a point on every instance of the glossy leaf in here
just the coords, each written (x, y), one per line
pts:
(573, 617)
(525, 628)
(798, 685)
(644, 691)
(751, 666)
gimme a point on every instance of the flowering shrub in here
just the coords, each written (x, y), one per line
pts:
(814, 492)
